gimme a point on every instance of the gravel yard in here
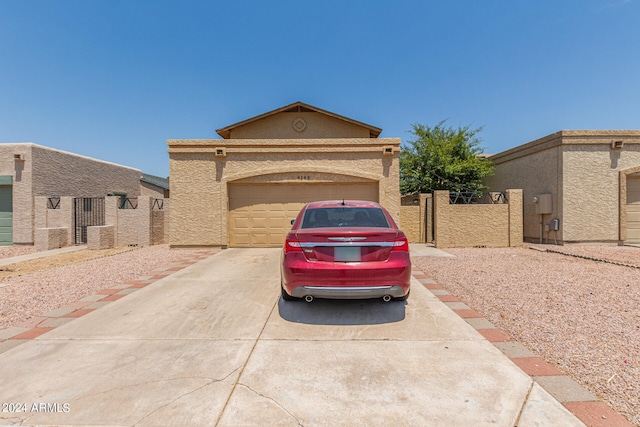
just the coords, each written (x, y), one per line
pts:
(44, 286)
(11, 251)
(580, 315)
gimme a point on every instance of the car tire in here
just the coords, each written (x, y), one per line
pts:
(404, 298)
(286, 296)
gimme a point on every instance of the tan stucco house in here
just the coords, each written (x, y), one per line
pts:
(589, 181)
(29, 170)
(244, 189)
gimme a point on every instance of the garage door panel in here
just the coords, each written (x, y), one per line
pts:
(260, 215)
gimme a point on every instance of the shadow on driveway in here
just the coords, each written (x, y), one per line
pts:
(342, 312)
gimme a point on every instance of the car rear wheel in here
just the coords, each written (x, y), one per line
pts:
(286, 296)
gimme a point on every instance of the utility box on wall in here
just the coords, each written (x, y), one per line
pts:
(543, 204)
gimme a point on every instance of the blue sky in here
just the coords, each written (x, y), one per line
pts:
(115, 79)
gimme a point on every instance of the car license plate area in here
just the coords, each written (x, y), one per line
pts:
(375, 253)
(347, 254)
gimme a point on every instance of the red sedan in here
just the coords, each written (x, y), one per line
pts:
(345, 249)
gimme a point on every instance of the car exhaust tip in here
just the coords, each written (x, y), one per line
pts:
(386, 298)
(308, 298)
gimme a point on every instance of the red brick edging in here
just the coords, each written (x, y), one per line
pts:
(579, 401)
(36, 326)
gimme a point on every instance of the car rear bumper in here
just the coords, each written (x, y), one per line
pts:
(346, 280)
(359, 292)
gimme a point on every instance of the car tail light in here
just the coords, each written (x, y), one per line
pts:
(401, 244)
(292, 245)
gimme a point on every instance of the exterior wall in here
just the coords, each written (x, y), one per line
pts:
(22, 188)
(151, 190)
(57, 173)
(144, 226)
(585, 177)
(591, 183)
(315, 125)
(416, 220)
(410, 220)
(51, 238)
(536, 168)
(157, 227)
(100, 237)
(491, 225)
(62, 217)
(50, 172)
(200, 178)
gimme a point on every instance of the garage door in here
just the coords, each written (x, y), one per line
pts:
(260, 214)
(633, 209)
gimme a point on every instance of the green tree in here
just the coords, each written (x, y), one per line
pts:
(443, 158)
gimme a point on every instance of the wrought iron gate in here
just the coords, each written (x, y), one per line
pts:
(87, 211)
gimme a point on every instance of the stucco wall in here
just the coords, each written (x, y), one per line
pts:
(536, 169)
(582, 172)
(416, 218)
(591, 189)
(314, 125)
(410, 223)
(490, 225)
(151, 190)
(57, 173)
(199, 178)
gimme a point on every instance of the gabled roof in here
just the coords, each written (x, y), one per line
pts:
(225, 132)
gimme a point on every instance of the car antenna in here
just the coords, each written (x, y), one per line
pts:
(343, 202)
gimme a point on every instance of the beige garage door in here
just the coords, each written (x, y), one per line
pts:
(633, 209)
(260, 214)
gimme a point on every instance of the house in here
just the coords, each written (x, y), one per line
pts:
(579, 186)
(29, 170)
(154, 186)
(243, 190)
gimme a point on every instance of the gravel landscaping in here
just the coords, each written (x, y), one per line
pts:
(11, 251)
(52, 286)
(578, 314)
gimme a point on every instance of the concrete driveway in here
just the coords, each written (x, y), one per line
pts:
(215, 345)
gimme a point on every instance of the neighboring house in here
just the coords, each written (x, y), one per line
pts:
(244, 190)
(154, 186)
(585, 184)
(28, 170)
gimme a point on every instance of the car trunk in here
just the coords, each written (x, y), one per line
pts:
(336, 245)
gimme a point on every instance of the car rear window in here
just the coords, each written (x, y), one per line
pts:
(344, 217)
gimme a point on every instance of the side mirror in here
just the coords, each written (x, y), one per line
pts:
(292, 221)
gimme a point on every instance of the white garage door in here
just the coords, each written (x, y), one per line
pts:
(633, 209)
(260, 214)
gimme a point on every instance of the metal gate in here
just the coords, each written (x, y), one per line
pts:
(87, 211)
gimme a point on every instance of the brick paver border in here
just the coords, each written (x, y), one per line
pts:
(578, 400)
(46, 322)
